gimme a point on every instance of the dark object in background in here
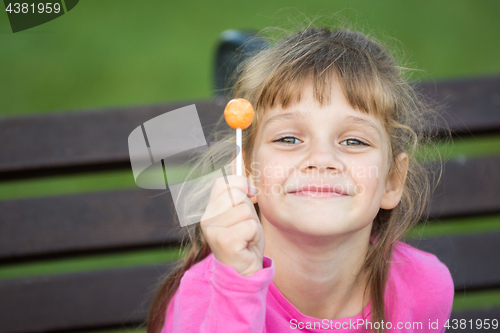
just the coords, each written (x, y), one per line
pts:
(233, 47)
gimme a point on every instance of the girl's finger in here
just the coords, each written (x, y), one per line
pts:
(237, 237)
(222, 184)
(221, 212)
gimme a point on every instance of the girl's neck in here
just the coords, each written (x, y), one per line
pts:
(322, 278)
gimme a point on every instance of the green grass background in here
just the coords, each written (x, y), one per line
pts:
(109, 53)
(126, 52)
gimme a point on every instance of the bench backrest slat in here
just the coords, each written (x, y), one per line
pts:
(467, 187)
(77, 301)
(86, 222)
(471, 106)
(470, 258)
(81, 138)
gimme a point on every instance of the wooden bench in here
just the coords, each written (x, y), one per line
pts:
(37, 229)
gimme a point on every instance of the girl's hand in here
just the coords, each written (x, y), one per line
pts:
(234, 233)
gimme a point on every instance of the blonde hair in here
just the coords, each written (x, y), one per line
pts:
(373, 83)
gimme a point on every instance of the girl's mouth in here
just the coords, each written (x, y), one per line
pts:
(315, 191)
(317, 194)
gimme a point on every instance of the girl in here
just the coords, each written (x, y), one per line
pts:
(309, 239)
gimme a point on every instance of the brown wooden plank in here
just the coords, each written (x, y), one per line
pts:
(90, 138)
(468, 187)
(89, 221)
(66, 139)
(469, 105)
(472, 259)
(78, 301)
(482, 314)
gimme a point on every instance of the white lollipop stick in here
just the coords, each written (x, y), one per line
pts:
(239, 115)
(239, 157)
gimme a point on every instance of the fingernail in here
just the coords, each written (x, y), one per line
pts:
(253, 190)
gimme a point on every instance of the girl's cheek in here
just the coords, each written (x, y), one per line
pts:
(366, 174)
(366, 169)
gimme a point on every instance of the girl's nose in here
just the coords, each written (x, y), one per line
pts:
(323, 158)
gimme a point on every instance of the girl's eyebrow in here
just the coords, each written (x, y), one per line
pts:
(362, 121)
(302, 116)
(284, 116)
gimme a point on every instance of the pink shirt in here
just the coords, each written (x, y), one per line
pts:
(213, 297)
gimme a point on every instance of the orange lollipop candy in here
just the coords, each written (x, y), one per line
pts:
(239, 113)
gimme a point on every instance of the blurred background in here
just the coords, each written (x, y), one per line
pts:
(112, 53)
(126, 52)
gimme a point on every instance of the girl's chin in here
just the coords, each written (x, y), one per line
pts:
(318, 226)
(320, 229)
(317, 237)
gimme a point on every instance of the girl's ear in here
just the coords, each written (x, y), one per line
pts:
(395, 183)
(249, 177)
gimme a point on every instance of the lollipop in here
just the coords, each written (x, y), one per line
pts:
(239, 115)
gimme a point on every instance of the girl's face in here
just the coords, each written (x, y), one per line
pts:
(322, 170)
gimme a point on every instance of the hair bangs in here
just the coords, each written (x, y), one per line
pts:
(285, 86)
(367, 93)
(363, 87)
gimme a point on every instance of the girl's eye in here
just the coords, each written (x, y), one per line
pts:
(288, 140)
(293, 140)
(353, 142)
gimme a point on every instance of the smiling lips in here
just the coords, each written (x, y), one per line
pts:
(315, 191)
